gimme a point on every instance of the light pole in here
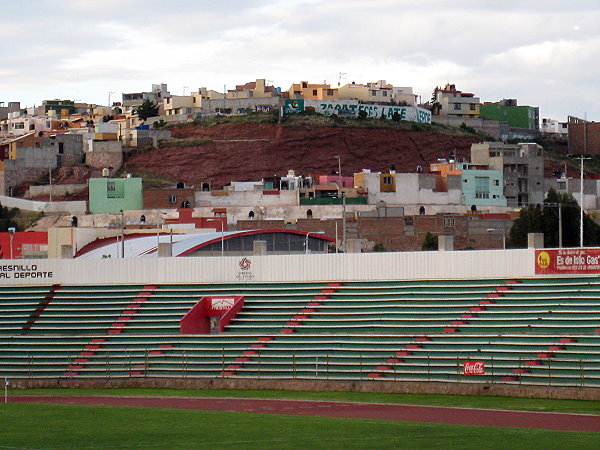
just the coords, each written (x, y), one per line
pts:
(122, 235)
(339, 160)
(222, 228)
(109, 95)
(581, 158)
(11, 232)
(50, 182)
(306, 239)
(560, 233)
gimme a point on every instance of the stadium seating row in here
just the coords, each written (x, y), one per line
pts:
(532, 331)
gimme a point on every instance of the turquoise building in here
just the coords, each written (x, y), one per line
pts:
(481, 186)
(113, 195)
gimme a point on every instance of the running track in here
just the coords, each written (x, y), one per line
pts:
(433, 414)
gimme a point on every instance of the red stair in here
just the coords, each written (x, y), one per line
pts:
(33, 317)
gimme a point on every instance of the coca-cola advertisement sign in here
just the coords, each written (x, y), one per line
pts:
(474, 368)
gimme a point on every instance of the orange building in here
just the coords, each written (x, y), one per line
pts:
(443, 169)
(313, 91)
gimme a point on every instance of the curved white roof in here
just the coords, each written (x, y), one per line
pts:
(146, 246)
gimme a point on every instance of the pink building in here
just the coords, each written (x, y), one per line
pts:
(346, 182)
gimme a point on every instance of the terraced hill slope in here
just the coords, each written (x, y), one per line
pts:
(229, 152)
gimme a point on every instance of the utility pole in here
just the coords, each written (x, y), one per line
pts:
(581, 204)
(560, 238)
(344, 222)
(50, 181)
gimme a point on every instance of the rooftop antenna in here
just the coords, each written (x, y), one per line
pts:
(341, 76)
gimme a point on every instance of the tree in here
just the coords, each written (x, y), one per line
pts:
(545, 219)
(6, 218)
(159, 124)
(430, 242)
(379, 247)
(147, 109)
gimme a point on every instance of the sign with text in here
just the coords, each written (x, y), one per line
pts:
(351, 108)
(567, 261)
(474, 368)
(23, 272)
(221, 304)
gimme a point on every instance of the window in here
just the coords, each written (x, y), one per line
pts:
(472, 106)
(373, 93)
(384, 93)
(329, 91)
(388, 180)
(561, 185)
(482, 187)
(496, 182)
(172, 198)
(449, 222)
(61, 148)
(457, 106)
(408, 221)
(314, 92)
(110, 186)
(31, 127)
(304, 84)
(19, 126)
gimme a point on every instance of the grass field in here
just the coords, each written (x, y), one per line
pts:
(464, 401)
(61, 427)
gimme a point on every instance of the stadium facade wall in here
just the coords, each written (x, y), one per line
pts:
(273, 268)
(396, 387)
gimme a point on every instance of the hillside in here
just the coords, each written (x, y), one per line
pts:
(226, 152)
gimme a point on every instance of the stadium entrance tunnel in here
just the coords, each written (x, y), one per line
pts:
(211, 314)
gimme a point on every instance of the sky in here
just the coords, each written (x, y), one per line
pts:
(543, 53)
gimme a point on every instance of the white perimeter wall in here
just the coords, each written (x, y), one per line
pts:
(275, 268)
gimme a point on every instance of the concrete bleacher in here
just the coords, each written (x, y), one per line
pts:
(528, 331)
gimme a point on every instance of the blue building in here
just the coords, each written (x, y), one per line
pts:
(481, 186)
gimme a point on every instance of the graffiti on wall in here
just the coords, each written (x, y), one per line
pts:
(350, 108)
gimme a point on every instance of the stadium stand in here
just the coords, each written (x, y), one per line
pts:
(538, 331)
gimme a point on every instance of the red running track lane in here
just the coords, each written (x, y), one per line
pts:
(411, 413)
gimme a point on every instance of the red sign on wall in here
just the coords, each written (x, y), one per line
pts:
(558, 261)
(474, 368)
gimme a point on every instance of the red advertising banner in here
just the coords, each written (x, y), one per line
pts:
(574, 260)
(474, 368)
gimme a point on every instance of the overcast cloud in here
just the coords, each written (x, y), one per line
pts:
(544, 53)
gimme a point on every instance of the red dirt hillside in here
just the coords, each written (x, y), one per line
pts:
(251, 151)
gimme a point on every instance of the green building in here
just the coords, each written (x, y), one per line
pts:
(113, 195)
(525, 117)
(58, 106)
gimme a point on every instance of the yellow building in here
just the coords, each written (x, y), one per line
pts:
(387, 181)
(379, 92)
(253, 89)
(309, 91)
